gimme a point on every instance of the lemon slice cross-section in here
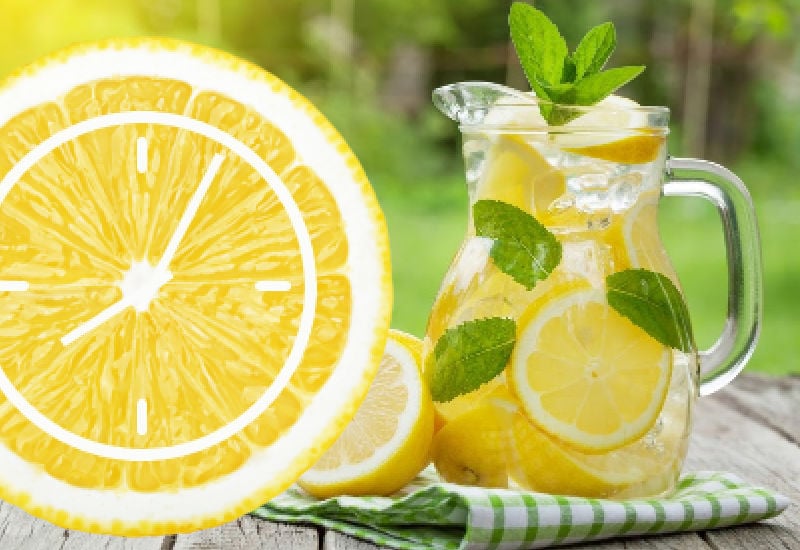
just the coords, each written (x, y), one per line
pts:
(587, 375)
(194, 287)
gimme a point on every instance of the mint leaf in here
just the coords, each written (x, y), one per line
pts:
(558, 91)
(594, 50)
(598, 86)
(652, 302)
(523, 248)
(540, 47)
(469, 355)
(560, 79)
(568, 73)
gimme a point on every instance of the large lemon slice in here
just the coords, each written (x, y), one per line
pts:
(585, 374)
(387, 442)
(194, 287)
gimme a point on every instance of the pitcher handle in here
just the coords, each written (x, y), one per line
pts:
(699, 178)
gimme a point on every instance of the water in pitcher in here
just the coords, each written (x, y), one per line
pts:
(593, 400)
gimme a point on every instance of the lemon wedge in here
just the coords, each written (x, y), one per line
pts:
(388, 441)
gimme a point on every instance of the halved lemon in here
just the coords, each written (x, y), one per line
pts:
(585, 374)
(388, 440)
(194, 287)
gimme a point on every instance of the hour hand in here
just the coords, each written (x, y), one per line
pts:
(94, 322)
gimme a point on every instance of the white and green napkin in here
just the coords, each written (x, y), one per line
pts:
(432, 514)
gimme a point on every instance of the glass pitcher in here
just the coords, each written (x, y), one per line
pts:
(559, 349)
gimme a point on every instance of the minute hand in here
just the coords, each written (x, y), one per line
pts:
(189, 213)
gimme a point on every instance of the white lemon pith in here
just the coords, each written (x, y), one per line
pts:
(387, 442)
(201, 287)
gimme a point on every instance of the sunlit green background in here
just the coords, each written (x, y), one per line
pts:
(728, 69)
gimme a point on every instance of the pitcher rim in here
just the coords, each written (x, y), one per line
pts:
(655, 118)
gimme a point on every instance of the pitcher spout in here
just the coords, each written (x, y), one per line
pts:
(469, 103)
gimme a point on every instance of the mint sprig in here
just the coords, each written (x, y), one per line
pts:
(469, 355)
(523, 248)
(561, 78)
(653, 303)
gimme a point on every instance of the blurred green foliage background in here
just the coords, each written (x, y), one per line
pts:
(728, 69)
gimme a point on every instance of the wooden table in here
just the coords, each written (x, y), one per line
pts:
(751, 428)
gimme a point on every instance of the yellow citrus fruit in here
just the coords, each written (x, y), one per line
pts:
(473, 448)
(638, 149)
(194, 287)
(387, 443)
(584, 373)
(518, 174)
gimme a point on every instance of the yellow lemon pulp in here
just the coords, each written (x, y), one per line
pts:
(86, 226)
(585, 374)
(388, 440)
(638, 149)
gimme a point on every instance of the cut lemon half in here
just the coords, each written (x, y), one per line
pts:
(386, 445)
(194, 287)
(585, 374)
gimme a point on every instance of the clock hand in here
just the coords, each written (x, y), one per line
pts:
(141, 292)
(96, 321)
(189, 213)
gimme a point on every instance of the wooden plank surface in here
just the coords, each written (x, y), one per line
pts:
(747, 429)
(249, 533)
(751, 428)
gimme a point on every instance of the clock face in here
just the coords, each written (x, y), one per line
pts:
(194, 287)
(142, 259)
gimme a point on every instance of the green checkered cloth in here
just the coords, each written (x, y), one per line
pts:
(432, 514)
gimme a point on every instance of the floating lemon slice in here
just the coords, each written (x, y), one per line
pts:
(194, 287)
(585, 374)
(613, 115)
(387, 442)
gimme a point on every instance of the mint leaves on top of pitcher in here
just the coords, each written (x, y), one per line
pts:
(556, 75)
